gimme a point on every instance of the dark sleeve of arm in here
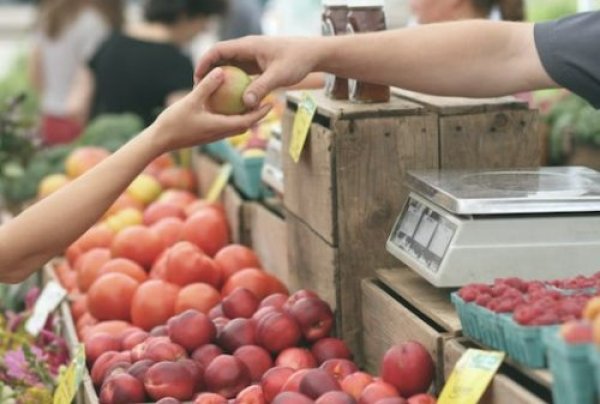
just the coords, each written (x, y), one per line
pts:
(570, 52)
(179, 76)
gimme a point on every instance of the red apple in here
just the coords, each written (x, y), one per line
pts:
(276, 300)
(134, 339)
(114, 369)
(169, 379)
(330, 348)
(256, 359)
(251, 395)
(376, 391)
(240, 303)
(159, 331)
(191, 329)
(103, 362)
(296, 358)
(205, 354)
(122, 388)
(238, 332)
(409, 368)
(355, 383)
(339, 368)
(226, 375)
(290, 397)
(293, 382)
(99, 343)
(210, 398)
(314, 317)
(159, 350)
(277, 331)
(317, 382)
(139, 369)
(336, 397)
(196, 371)
(273, 381)
(260, 313)
(301, 294)
(216, 311)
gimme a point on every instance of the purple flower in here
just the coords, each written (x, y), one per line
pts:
(31, 297)
(17, 367)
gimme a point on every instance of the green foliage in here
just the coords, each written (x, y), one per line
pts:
(111, 131)
(544, 10)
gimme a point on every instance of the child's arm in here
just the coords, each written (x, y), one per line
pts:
(47, 228)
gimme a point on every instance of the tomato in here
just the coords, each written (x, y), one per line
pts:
(161, 210)
(88, 266)
(160, 163)
(74, 251)
(78, 306)
(83, 159)
(202, 204)
(186, 264)
(197, 296)
(255, 280)
(177, 178)
(169, 230)
(110, 297)
(159, 268)
(124, 201)
(234, 258)
(126, 267)
(139, 244)
(208, 230)
(178, 197)
(153, 304)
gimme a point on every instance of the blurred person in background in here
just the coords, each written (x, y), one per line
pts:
(243, 17)
(431, 11)
(68, 32)
(143, 68)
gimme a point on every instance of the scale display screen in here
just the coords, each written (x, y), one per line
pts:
(424, 234)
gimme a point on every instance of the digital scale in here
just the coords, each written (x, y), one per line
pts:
(459, 227)
(272, 172)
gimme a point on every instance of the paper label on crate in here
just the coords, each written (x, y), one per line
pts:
(471, 377)
(219, 183)
(68, 381)
(48, 301)
(302, 122)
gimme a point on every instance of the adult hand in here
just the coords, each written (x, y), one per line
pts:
(279, 62)
(187, 122)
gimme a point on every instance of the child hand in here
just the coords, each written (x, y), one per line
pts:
(187, 122)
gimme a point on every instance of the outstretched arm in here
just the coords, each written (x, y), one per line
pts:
(48, 227)
(469, 58)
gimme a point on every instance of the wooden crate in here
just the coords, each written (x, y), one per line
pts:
(344, 194)
(266, 233)
(504, 389)
(388, 321)
(207, 170)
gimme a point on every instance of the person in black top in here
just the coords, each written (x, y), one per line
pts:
(143, 69)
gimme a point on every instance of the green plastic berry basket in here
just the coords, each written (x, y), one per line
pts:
(594, 352)
(219, 149)
(525, 344)
(572, 370)
(247, 173)
(467, 315)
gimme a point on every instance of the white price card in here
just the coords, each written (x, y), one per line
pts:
(48, 301)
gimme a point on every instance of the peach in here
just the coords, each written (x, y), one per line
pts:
(169, 379)
(317, 382)
(220, 323)
(260, 313)
(408, 367)
(210, 398)
(228, 98)
(122, 388)
(103, 362)
(240, 303)
(290, 397)
(376, 391)
(339, 368)
(355, 383)
(196, 371)
(330, 348)
(277, 331)
(139, 369)
(273, 381)
(159, 331)
(204, 355)
(198, 296)
(191, 329)
(237, 333)
(251, 395)
(135, 338)
(168, 230)
(226, 375)
(276, 300)
(216, 311)
(177, 178)
(421, 399)
(99, 343)
(296, 358)
(159, 349)
(314, 317)
(114, 369)
(256, 359)
(293, 382)
(336, 397)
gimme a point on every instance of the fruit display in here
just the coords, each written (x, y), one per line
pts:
(513, 315)
(30, 366)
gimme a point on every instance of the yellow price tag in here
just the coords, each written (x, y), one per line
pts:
(302, 122)
(219, 183)
(471, 376)
(69, 380)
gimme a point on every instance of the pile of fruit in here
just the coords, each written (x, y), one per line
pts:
(534, 303)
(169, 310)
